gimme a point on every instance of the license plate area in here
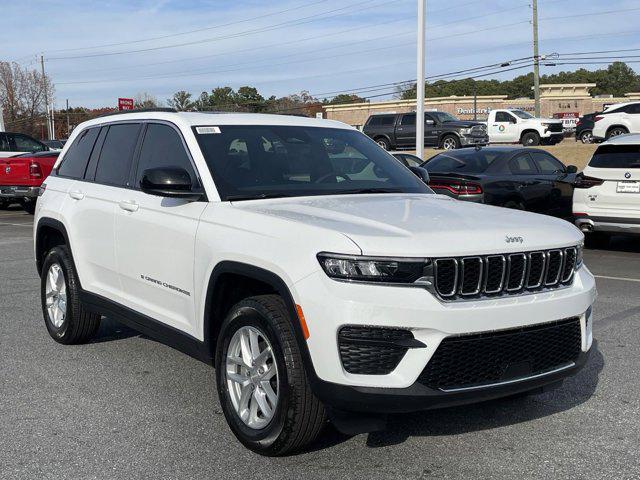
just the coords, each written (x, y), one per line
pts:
(628, 187)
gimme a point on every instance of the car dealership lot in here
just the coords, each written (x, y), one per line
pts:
(126, 406)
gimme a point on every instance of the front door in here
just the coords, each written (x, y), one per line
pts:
(529, 189)
(155, 236)
(504, 128)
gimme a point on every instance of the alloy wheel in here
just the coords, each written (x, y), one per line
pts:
(252, 377)
(56, 295)
(449, 144)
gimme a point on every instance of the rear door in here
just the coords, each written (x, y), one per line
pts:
(406, 130)
(619, 168)
(532, 191)
(558, 182)
(155, 236)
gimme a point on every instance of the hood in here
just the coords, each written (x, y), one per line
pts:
(463, 124)
(418, 225)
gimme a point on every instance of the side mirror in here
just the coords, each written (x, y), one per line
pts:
(170, 182)
(421, 173)
(513, 120)
(572, 169)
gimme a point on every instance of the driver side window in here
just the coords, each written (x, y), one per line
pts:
(504, 117)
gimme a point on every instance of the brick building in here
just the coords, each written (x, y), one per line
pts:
(560, 100)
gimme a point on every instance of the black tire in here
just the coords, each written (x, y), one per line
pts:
(29, 206)
(4, 204)
(383, 143)
(79, 325)
(616, 131)
(530, 139)
(450, 142)
(586, 137)
(597, 240)
(299, 416)
(514, 204)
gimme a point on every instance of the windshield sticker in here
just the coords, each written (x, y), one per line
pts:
(207, 130)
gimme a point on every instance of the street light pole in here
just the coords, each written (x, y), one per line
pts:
(46, 98)
(536, 59)
(420, 80)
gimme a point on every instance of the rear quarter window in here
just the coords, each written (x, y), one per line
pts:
(616, 156)
(75, 160)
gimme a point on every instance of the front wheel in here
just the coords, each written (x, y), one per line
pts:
(4, 204)
(530, 139)
(450, 142)
(586, 137)
(29, 206)
(262, 384)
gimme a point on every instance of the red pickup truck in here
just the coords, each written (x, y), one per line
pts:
(21, 177)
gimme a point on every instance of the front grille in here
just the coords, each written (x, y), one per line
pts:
(372, 350)
(488, 358)
(459, 278)
(555, 127)
(479, 130)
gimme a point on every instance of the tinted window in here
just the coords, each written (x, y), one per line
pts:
(634, 109)
(504, 117)
(162, 147)
(75, 160)
(27, 144)
(373, 121)
(116, 154)
(522, 164)
(4, 143)
(476, 162)
(616, 156)
(409, 119)
(258, 161)
(546, 163)
(443, 117)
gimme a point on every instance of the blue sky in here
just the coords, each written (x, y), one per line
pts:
(315, 45)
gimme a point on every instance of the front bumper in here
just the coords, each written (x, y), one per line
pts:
(18, 192)
(468, 141)
(329, 305)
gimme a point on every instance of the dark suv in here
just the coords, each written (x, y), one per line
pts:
(441, 129)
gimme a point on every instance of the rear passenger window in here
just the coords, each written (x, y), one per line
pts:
(547, 164)
(162, 147)
(522, 165)
(4, 143)
(75, 160)
(114, 164)
(386, 121)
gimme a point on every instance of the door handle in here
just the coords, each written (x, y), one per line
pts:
(76, 194)
(129, 206)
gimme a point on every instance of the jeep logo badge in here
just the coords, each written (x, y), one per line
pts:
(627, 175)
(509, 239)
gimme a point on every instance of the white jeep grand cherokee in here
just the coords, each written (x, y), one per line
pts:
(321, 277)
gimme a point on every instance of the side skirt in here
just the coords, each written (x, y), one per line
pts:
(148, 326)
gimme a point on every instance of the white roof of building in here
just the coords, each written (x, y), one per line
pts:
(189, 119)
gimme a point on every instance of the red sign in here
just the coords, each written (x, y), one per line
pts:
(125, 104)
(569, 119)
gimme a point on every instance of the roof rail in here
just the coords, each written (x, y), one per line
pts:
(139, 110)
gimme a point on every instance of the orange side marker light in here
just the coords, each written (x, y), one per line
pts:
(303, 322)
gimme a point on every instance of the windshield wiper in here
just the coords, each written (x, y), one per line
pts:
(261, 196)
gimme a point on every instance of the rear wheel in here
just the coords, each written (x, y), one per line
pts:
(450, 142)
(384, 143)
(29, 206)
(514, 204)
(4, 204)
(262, 384)
(616, 131)
(530, 139)
(66, 319)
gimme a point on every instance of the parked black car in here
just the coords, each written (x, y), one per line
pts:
(584, 128)
(513, 177)
(441, 129)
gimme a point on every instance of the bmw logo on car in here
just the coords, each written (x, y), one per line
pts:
(627, 175)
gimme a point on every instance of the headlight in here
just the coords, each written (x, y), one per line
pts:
(579, 248)
(376, 269)
(465, 131)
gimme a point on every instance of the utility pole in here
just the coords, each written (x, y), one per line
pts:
(420, 80)
(68, 121)
(46, 98)
(536, 58)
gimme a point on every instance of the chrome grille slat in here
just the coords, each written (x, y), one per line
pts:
(477, 276)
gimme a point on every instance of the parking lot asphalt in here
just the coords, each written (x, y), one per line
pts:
(125, 406)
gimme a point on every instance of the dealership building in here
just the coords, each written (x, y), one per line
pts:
(566, 101)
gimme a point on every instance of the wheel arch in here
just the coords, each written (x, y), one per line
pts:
(229, 282)
(617, 125)
(529, 130)
(385, 137)
(49, 233)
(447, 134)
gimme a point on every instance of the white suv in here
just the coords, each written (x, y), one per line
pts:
(606, 198)
(617, 120)
(319, 275)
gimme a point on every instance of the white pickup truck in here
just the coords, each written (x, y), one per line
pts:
(518, 126)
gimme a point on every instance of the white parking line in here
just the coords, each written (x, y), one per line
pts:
(622, 279)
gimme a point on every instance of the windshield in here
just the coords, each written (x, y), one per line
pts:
(616, 156)
(443, 117)
(261, 161)
(467, 162)
(522, 114)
